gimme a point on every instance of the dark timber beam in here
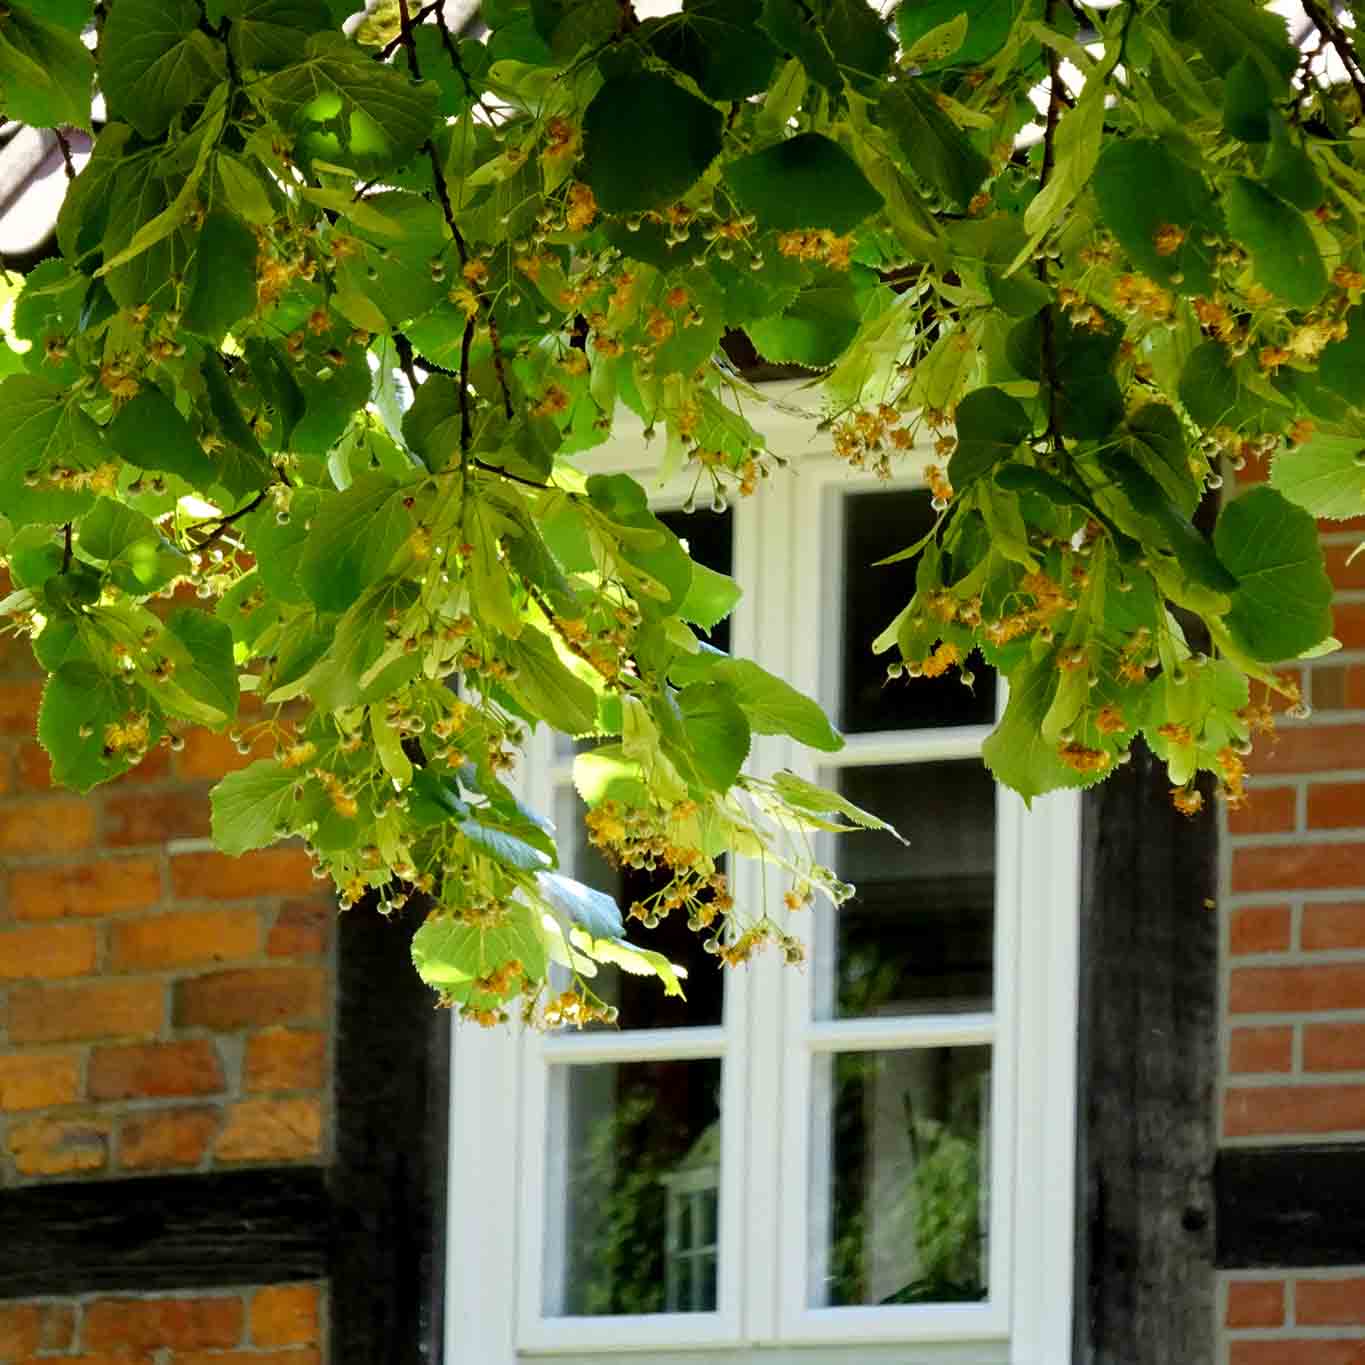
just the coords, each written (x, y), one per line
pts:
(164, 1232)
(1147, 1070)
(387, 1177)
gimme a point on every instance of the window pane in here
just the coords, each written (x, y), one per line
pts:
(640, 1000)
(877, 525)
(919, 935)
(633, 1178)
(901, 1179)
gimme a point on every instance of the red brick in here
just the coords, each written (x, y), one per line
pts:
(302, 929)
(100, 1009)
(1348, 624)
(1311, 748)
(285, 1315)
(1334, 1047)
(271, 1130)
(38, 1080)
(1268, 810)
(1287, 990)
(1347, 577)
(43, 952)
(19, 707)
(1260, 1049)
(1297, 1351)
(207, 755)
(20, 1329)
(132, 818)
(54, 825)
(184, 938)
(1330, 1303)
(152, 1324)
(85, 889)
(249, 997)
(215, 876)
(155, 1071)
(1255, 1303)
(1301, 866)
(1341, 925)
(60, 1146)
(163, 1138)
(1259, 929)
(1355, 687)
(33, 768)
(289, 1356)
(1257, 1111)
(285, 1059)
(1336, 805)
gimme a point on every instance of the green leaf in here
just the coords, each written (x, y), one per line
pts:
(1325, 477)
(788, 24)
(858, 37)
(269, 33)
(1153, 436)
(717, 731)
(806, 796)
(657, 554)
(815, 331)
(45, 72)
(504, 847)
(1227, 31)
(631, 958)
(775, 707)
(150, 433)
(201, 649)
(154, 61)
(243, 189)
(1247, 104)
(1284, 256)
(988, 26)
(225, 284)
(1016, 752)
(347, 109)
(452, 956)
(252, 807)
(807, 181)
(1342, 366)
(711, 597)
(109, 529)
(1289, 170)
(80, 698)
(43, 430)
(547, 687)
(990, 427)
(646, 141)
(1283, 603)
(1149, 499)
(1078, 138)
(1212, 392)
(594, 910)
(718, 44)
(354, 537)
(937, 150)
(431, 425)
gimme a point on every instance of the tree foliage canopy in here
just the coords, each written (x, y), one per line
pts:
(338, 320)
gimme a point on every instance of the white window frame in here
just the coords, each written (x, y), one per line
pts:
(498, 1162)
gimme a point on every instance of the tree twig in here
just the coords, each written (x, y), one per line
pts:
(66, 548)
(220, 524)
(513, 478)
(466, 425)
(420, 17)
(1332, 31)
(65, 146)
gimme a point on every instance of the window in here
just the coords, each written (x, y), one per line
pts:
(819, 1164)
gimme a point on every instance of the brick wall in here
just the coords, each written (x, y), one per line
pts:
(1293, 974)
(163, 1009)
(279, 1325)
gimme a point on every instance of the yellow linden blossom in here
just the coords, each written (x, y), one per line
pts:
(575, 363)
(298, 754)
(561, 140)
(582, 207)
(1109, 720)
(1168, 238)
(1301, 431)
(1177, 734)
(1234, 772)
(476, 272)
(940, 661)
(130, 735)
(465, 299)
(1306, 342)
(553, 400)
(659, 326)
(1346, 278)
(1143, 297)
(1187, 800)
(1083, 760)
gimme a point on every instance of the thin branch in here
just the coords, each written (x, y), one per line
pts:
(466, 425)
(438, 175)
(448, 42)
(220, 524)
(66, 548)
(420, 17)
(513, 478)
(66, 154)
(496, 341)
(405, 359)
(1332, 31)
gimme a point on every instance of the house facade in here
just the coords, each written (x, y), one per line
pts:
(1081, 1084)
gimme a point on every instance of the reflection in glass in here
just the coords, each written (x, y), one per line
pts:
(640, 1000)
(900, 1166)
(918, 937)
(877, 525)
(634, 1175)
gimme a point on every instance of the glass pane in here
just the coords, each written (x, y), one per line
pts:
(901, 1177)
(919, 935)
(633, 1180)
(640, 1000)
(877, 525)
